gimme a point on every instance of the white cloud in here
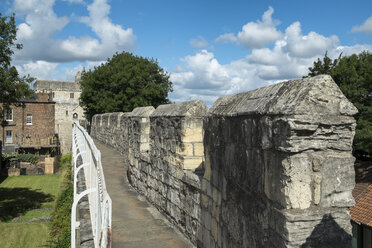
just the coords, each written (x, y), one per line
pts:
(39, 69)
(366, 27)
(228, 37)
(74, 1)
(266, 56)
(43, 70)
(258, 34)
(70, 73)
(202, 76)
(306, 46)
(199, 42)
(255, 34)
(349, 50)
(41, 24)
(112, 36)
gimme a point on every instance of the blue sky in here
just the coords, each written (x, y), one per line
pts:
(210, 48)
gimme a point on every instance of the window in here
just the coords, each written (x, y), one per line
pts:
(367, 237)
(8, 137)
(53, 94)
(29, 119)
(75, 116)
(66, 113)
(40, 171)
(9, 114)
(357, 235)
(71, 95)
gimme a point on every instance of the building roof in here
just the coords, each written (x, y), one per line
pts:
(362, 211)
(360, 189)
(57, 85)
(35, 99)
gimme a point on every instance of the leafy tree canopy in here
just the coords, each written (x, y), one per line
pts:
(12, 86)
(353, 74)
(123, 83)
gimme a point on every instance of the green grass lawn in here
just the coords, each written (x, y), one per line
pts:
(19, 197)
(24, 235)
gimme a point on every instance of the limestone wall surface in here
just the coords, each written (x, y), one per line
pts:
(67, 109)
(267, 168)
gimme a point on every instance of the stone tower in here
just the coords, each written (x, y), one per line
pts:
(66, 95)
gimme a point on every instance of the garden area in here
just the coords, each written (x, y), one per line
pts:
(30, 214)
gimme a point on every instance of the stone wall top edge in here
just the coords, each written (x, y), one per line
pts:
(184, 109)
(119, 114)
(116, 113)
(301, 116)
(315, 95)
(141, 112)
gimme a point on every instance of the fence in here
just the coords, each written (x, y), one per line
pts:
(86, 156)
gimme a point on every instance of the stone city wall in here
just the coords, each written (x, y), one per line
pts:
(266, 168)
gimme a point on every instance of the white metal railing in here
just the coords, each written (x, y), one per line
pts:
(100, 205)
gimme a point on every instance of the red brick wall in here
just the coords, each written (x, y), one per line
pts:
(40, 133)
(44, 97)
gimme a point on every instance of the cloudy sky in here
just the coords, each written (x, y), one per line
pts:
(210, 48)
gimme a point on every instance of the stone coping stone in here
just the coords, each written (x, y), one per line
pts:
(115, 113)
(141, 112)
(317, 95)
(184, 109)
(191, 178)
(108, 116)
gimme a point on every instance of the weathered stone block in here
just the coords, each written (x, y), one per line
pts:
(204, 200)
(198, 149)
(188, 149)
(191, 163)
(297, 182)
(214, 229)
(216, 196)
(338, 169)
(193, 132)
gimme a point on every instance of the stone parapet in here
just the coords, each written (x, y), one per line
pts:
(267, 168)
(279, 164)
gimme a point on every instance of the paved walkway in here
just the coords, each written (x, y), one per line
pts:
(134, 222)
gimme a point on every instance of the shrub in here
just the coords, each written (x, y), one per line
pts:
(61, 216)
(23, 157)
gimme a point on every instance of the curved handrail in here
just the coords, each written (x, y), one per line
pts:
(100, 204)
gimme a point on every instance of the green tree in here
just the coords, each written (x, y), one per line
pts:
(353, 74)
(12, 86)
(123, 83)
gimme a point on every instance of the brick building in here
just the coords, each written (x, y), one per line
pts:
(67, 109)
(361, 213)
(30, 126)
(361, 216)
